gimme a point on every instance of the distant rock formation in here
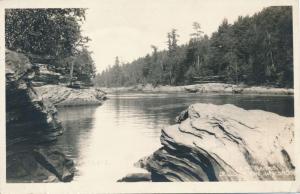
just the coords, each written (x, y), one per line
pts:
(224, 143)
(64, 96)
(43, 76)
(221, 88)
(30, 121)
(53, 87)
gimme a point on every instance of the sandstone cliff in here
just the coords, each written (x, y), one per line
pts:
(224, 143)
(30, 121)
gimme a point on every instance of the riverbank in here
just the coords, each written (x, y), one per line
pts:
(204, 88)
(197, 147)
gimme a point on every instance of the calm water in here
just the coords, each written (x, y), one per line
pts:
(105, 141)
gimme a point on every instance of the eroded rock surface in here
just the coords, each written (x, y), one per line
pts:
(30, 121)
(63, 96)
(224, 143)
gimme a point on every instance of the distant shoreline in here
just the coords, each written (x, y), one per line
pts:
(220, 88)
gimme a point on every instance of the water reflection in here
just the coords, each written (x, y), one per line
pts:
(77, 122)
(105, 141)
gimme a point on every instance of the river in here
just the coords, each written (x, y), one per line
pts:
(106, 141)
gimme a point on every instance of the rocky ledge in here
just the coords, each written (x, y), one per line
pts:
(61, 95)
(224, 143)
(30, 122)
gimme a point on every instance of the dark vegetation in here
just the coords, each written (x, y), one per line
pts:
(51, 36)
(256, 50)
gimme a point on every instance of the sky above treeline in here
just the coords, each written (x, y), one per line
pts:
(127, 29)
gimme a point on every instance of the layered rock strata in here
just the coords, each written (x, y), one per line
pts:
(224, 143)
(63, 96)
(30, 121)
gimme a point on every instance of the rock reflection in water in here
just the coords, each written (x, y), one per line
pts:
(77, 122)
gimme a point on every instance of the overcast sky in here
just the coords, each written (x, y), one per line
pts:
(128, 28)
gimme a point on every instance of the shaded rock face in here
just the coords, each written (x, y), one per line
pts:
(30, 121)
(28, 117)
(38, 164)
(63, 96)
(224, 143)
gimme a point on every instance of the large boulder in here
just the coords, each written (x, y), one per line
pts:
(30, 121)
(224, 143)
(61, 95)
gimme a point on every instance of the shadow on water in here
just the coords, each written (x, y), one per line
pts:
(77, 123)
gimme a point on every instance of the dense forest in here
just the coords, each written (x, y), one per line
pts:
(256, 50)
(53, 37)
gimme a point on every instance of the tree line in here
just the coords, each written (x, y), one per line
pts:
(255, 50)
(53, 37)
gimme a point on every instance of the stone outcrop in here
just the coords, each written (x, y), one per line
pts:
(30, 121)
(224, 143)
(28, 117)
(61, 95)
